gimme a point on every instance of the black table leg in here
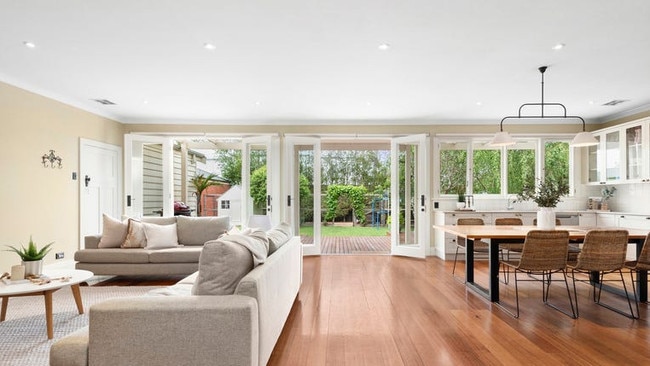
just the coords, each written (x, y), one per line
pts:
(469, 260)
(642, 276)
(494, 270)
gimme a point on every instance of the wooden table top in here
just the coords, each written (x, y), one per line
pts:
(517, 232)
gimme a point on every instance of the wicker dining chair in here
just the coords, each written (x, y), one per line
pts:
(544, 253)
(507, 248)
(641, 264)
(603, 251)
(574, 246)
(479, 245)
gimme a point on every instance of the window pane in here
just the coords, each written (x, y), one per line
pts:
(487, 169)
(556, 160)
(453, 167)
(521, 166)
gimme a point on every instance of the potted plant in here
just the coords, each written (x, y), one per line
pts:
(546, 194)
(461, 198)
(31, 256)
(607, 194)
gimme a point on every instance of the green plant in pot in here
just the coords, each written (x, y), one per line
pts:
(31, 256)
(547, 194)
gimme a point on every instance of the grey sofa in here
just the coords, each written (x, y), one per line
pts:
(192, 233)
(185, 329)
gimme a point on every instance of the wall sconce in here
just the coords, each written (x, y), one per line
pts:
(52, 158)
(584, 138)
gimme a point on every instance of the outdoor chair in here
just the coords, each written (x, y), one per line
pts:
(510, 246)
(641, 264)
(603, 252)
(543, 253)
(479, 245)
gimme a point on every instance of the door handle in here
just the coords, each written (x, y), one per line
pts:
(422, 203)
(289, 201)
(86, 180)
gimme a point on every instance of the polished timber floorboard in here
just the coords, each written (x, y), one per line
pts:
(385, 310)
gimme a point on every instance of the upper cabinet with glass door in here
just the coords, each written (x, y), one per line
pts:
(622, 155)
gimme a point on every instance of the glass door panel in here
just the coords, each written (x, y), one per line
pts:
(634, 152)
(594, 162)
(304, 195)
(409, 209)
(613, 156)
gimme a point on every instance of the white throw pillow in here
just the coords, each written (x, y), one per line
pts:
(113, 233)
(160, 236)
(278, 236)
(135, 237)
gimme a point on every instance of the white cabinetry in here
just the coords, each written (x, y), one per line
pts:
(587, 219)
(622, 156)
(607, 219)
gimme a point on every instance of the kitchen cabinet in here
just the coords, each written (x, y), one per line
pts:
(587, 219)
(607, 219)
(622, 155)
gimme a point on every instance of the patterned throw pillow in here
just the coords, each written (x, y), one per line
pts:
(135, 237)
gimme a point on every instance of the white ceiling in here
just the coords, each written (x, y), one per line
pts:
(310, 61)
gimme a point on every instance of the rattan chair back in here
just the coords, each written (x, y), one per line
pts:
(544, 250)
(557, 222)
(603, 250)
(643, 262)
(470, 221)
(511, 221)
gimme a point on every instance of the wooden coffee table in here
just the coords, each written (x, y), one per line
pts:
(30, 289)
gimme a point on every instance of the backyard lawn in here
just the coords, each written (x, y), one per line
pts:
(345, 231)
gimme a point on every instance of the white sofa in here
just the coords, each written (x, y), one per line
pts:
(185, 329)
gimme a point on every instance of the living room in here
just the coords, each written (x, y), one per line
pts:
(45, 104)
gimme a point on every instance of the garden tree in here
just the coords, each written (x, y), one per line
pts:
(453, 171)
(355, 195)
(230, 163)
(521, 169)
(370, 168)
(258, 192)
(306, 200)
(487, 171)
(556, 161)
(201, 183)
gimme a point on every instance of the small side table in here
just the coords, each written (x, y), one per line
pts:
(77, 276)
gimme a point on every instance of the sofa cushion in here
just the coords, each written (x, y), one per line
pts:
(179, 254)
(278, 236)
(223, 262)
(221, 265)
(159, 220)
(198, 230)
(112, 255)
(113, 232)
(135, 237)
(160, 236)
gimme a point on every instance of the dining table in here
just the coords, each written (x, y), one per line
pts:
(500, 234)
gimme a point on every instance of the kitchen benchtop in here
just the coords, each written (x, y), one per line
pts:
(534, 211)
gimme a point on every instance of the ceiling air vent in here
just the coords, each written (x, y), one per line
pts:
(104, 101)
(614, 102)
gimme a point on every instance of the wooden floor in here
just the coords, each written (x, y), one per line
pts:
(386, 310)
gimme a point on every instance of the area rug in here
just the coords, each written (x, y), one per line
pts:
(23, 335)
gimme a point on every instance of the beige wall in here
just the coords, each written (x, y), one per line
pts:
(35, 200)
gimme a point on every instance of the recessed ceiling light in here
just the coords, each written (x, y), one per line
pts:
(383, 46)
(559, 46)
(258, 103)
(479, 103)
(591, 102)
(29, 44)
(209, 46)
(368, 104)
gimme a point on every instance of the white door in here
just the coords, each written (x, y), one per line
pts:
(257, 152)
(148, 176)
(100, 167)
(303, 206)
(410, 212)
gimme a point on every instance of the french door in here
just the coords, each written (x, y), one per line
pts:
(303, 193)
(148, 176)
(410, 212)
(264, 150)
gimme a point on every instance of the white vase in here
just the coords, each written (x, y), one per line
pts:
(546, 218)
(33, 267)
